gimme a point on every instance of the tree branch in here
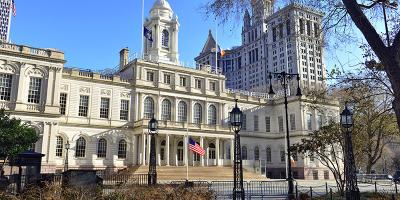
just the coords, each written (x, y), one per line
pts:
(365, 26)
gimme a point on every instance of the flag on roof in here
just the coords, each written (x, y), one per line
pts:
(148, 34)
(193, 146)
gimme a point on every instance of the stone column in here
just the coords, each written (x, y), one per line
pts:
(217, 156)
(48, 87)
(143, 153)
(202, 146)
(167, 150)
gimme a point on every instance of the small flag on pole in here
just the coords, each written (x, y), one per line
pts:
(148, 34)
(14, 8)
(193, 146)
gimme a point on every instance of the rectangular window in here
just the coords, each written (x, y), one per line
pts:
(282, 155)
(267, 124)
(124, 111)
(315, 174)
(244, 126)
(35, 85)
(256, 123)
(301, 24)
(167, 79)
(83, 106)
(63, 103)
(308, 28)
(104, 107)
(292, 122)
(213, 86)
(319, 121)
(182, 81)
(280, 123)
(197, 83)
(150, 76)
(326, 175)
(309, 123)
(5, 87)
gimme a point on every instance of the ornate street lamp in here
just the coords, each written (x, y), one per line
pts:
(284, 79)
(153, 130)
(236, 122)
(352, 191)
(67, 146)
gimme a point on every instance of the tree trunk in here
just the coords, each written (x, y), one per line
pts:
(392, 68)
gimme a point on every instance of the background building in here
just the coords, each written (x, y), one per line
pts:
(287, 40)
(6, 11)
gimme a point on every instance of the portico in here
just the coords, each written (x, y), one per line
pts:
(172, 147)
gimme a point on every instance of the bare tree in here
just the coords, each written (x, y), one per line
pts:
(341, 16)
(326, 145)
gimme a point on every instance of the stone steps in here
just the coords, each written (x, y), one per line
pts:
(167, 173)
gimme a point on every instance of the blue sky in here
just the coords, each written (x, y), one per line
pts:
(92, 32)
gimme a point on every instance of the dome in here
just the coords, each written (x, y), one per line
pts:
(161, 4)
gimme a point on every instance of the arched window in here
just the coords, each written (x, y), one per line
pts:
(211, 151)
(148, 108)
(165, 38)
(166, 110)
(102, 148)
(182, 112)
(80, 150)
(212, 115)
(59, 146)
(122, 149)
(268, 154)
(244, 153)
(197, 113)
(256, 153)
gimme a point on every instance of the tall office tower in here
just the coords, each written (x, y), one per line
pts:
(287, 40)
(5, 15)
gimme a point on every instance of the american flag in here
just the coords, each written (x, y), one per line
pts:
(14, 8)
(196, 147)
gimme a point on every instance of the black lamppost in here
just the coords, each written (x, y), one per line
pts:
(352, 191)
(67, 146)
(284, 79)
(153, 128)
(236, 123)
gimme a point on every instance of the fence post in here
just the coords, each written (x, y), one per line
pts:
(311, 193)
(395, 187)
(393, 198)
(326, 188)
(297, 192)
(376, 189)
(331, 193)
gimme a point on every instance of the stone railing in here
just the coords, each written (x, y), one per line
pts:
(248, 93)
(46, 53)
(74, 72)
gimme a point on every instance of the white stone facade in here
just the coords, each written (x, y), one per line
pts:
(105, 117)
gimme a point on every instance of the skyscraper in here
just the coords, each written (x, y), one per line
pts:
(5, 22)
(288, 40)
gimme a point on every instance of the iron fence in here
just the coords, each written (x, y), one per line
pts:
(270, 189)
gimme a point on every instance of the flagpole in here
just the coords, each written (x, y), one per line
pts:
(216, 44)
(141, 30)
(187, 153)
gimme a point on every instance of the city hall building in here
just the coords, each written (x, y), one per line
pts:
(105, 117)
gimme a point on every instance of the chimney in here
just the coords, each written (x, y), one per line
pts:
(123, 57)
